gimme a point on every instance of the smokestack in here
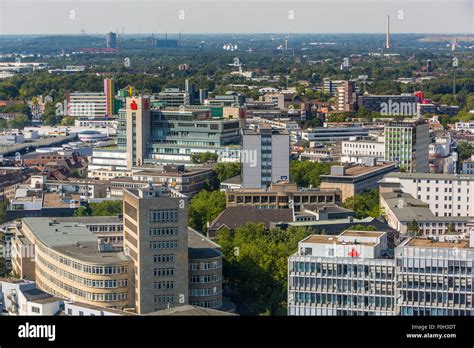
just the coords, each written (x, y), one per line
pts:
(387, 39)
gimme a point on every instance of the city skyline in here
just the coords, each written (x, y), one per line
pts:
(322, 16)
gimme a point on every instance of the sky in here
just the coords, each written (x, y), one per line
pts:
(235, 16)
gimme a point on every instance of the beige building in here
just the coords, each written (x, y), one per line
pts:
(156, 239)
(138, 120)
(280, 195)
(68, 261)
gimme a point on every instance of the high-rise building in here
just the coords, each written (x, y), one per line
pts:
(408, 144)
(346, 96)
(171, 135)
(435, 276)
(109, 97)
(348, 274)
(111, 40)
(387, 37)
(138, 118)
(265, 156)
(156, 239)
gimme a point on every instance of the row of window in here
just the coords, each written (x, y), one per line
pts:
(163, 258)
(94, 283)
(204, 292)
(204, 265)
(164, 285)
(165, 215)
(164, 245)
(84, 268)
(163, 272)
(163, 231)
(211, 278)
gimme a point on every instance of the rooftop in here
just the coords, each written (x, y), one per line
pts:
(431, 176)
(201, 247)
(324, 239)
(428, 243)
(189, 310)
(71, 239)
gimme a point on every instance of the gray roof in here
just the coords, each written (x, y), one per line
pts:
(430, 176)
(73, 240)
(201, 247)
(189, 310)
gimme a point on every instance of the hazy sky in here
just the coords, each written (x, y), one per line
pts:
(235, 16)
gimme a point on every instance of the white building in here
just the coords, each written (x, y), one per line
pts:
(356, 148)
(446, 194)
(348, 274)
(468, 166)
(465, 126)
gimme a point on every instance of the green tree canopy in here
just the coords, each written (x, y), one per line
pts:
(364, 204)
(205, 207)
(226, 171)
(256, 264)
(306, 173)
(105, 208)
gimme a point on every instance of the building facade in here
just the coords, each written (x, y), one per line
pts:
(265, 157)
(408, 144)
(156, 240)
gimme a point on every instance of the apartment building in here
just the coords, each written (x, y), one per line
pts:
(348, 274)
(357, 149)
(156, 240)
(468, 166)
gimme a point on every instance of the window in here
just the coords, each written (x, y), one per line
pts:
(35, 309)
(81, 313)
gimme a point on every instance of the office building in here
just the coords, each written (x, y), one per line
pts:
(281, 196)
(435, 276)
(446, 194)
(408, 144)
(68, 261)
(205, 271)
(111, 40)
(468, 166)
(348, 274)
(174, 97)
(92, 104)
(265, 156)
(355, 179)
(390, 105)
(172, 135)
(321, 134)
(357, 149)
(402, 210)
(156, 240)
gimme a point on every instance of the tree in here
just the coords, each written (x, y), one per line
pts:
(226, 171)
(67, 121)
(205, 207)
(105, 208)
(364, 204)
(3, 267)
(464, 150)
(306, 173)
(256, 262)
(360, 227)
(204, 157)
(3, 210)
(19, 121)
(451, 227)
(413, 228)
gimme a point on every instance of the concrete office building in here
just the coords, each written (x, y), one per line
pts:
(156, 240)
(408, 144)
(355, 179)
(69, 261)
(265, 157)
(281, 196)
(446, 194)
(390, 105)
(111, 40)
(348, 274)
(205, 271)
(435, 276)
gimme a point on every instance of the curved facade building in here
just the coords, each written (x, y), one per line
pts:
(205, 271)
(70, 262)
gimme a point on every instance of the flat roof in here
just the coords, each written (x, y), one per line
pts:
(73, 240)
(359, 170)
(353, 233)
(55, 200)
(428, 243)
(324, 239)
(431, 176)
